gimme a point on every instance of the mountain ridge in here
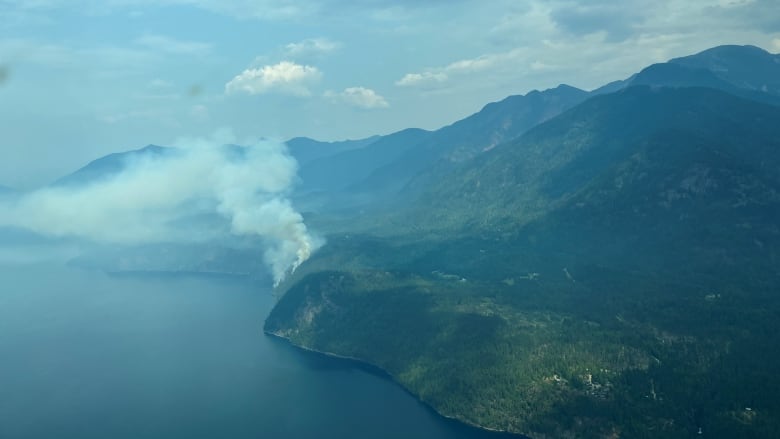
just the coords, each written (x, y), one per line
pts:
(306, 149)
(571, 265)
(109, 165)
(605, 266)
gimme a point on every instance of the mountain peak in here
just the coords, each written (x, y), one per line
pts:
(732, 49)
(151, 148)
(109, 165)
(565, 87)
(747, 67)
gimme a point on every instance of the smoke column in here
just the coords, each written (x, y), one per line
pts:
(154, 195)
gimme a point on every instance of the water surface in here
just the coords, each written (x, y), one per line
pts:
(88, 355)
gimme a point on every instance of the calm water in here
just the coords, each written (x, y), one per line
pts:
(86, 355)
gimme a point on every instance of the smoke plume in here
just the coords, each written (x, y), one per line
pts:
(158, 197)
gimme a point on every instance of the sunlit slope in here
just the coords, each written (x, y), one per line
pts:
(612, 271)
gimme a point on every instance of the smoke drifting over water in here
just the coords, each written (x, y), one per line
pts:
(161, 197)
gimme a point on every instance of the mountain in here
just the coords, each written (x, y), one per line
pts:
(406, 166)
(745, 71)
(522, 178)
(110, 165)
(6, 190)
(746, 67)
(465, 139)
(611, 272)
(337, 172)
(305, 149)
(369, 174)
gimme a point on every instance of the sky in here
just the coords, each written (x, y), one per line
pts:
(83, 78)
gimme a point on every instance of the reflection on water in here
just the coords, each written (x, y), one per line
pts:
(86, 355)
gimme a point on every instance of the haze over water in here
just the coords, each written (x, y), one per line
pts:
(87, 355)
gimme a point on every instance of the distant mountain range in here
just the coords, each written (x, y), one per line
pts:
(380, 165)
(110, 165)
(563, 263)
(746, 71)
(305, 149)
(339, 171)
(639, 168)
(373, 174)
(401, 162)
(496, 123)
(609, 270)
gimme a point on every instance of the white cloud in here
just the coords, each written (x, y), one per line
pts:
(475, 64)
(421, 79)
(310, 47)
(285, 77)
(438, 75)
(360, 97)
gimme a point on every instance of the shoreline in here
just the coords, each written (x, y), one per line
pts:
(385, 374)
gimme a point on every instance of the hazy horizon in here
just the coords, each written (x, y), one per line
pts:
(114, 76)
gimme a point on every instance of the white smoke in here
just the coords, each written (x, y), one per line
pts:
(151, 199)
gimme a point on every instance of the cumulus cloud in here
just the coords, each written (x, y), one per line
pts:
(310, 47)
(422, 79)
(156, 197)
(285, 77)
(360, 97)
(438, 75)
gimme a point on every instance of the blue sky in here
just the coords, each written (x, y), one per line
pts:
(83, 78)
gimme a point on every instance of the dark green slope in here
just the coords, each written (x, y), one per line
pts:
(611, 273)
(521, 180)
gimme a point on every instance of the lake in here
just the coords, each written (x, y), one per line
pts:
(88, 355)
